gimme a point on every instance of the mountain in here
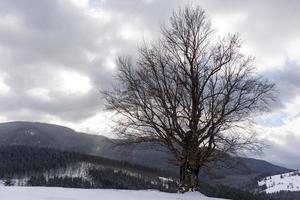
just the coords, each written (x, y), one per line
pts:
(243, 174)
(63, 138)
(48, 135)
(59, 137)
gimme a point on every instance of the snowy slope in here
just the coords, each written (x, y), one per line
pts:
(79, 170)
(281, 182)
(46, 193)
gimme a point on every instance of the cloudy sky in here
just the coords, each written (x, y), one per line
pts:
(55, 56)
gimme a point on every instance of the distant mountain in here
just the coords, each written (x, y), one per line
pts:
(243, 174)
(261, 166)
(63, 138)
(48, 135)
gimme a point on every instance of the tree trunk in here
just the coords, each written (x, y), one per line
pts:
(188, 177)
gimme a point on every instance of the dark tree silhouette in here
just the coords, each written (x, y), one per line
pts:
(190, 93)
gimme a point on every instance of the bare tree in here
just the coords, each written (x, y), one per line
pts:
(190, 93)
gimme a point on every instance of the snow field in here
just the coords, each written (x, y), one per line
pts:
(55, 193)
(281, 182)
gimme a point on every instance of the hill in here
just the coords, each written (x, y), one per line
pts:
(39, 166)
(243, 173)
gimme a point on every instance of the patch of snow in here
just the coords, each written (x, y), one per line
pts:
(79, 169)
(281, 182)
(29, 132)
(55, 193)
(20, 181)
(165, 179)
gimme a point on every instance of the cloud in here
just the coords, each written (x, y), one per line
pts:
(287, 80)
(54, 59)
(282, 140)
(57, 55)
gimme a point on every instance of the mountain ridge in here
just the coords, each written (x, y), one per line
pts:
(63, 138)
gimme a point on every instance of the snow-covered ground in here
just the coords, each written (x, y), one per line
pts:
(281, 182)
(54, 193)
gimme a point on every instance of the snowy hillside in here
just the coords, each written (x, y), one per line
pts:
(76, 170)
(44, 193)
(85, 173)
(281, 182)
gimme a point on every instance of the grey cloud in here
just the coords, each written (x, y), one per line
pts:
(283, 155)
(52, 36)
(287, 80)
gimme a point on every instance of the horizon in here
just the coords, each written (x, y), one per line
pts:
(57, 56)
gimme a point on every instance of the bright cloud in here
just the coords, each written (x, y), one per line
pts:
(4, 88)
(73, 83)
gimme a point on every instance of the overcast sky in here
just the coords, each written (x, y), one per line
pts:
(55, 56)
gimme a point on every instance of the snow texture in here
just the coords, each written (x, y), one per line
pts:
(281, 182)
(55, 193)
